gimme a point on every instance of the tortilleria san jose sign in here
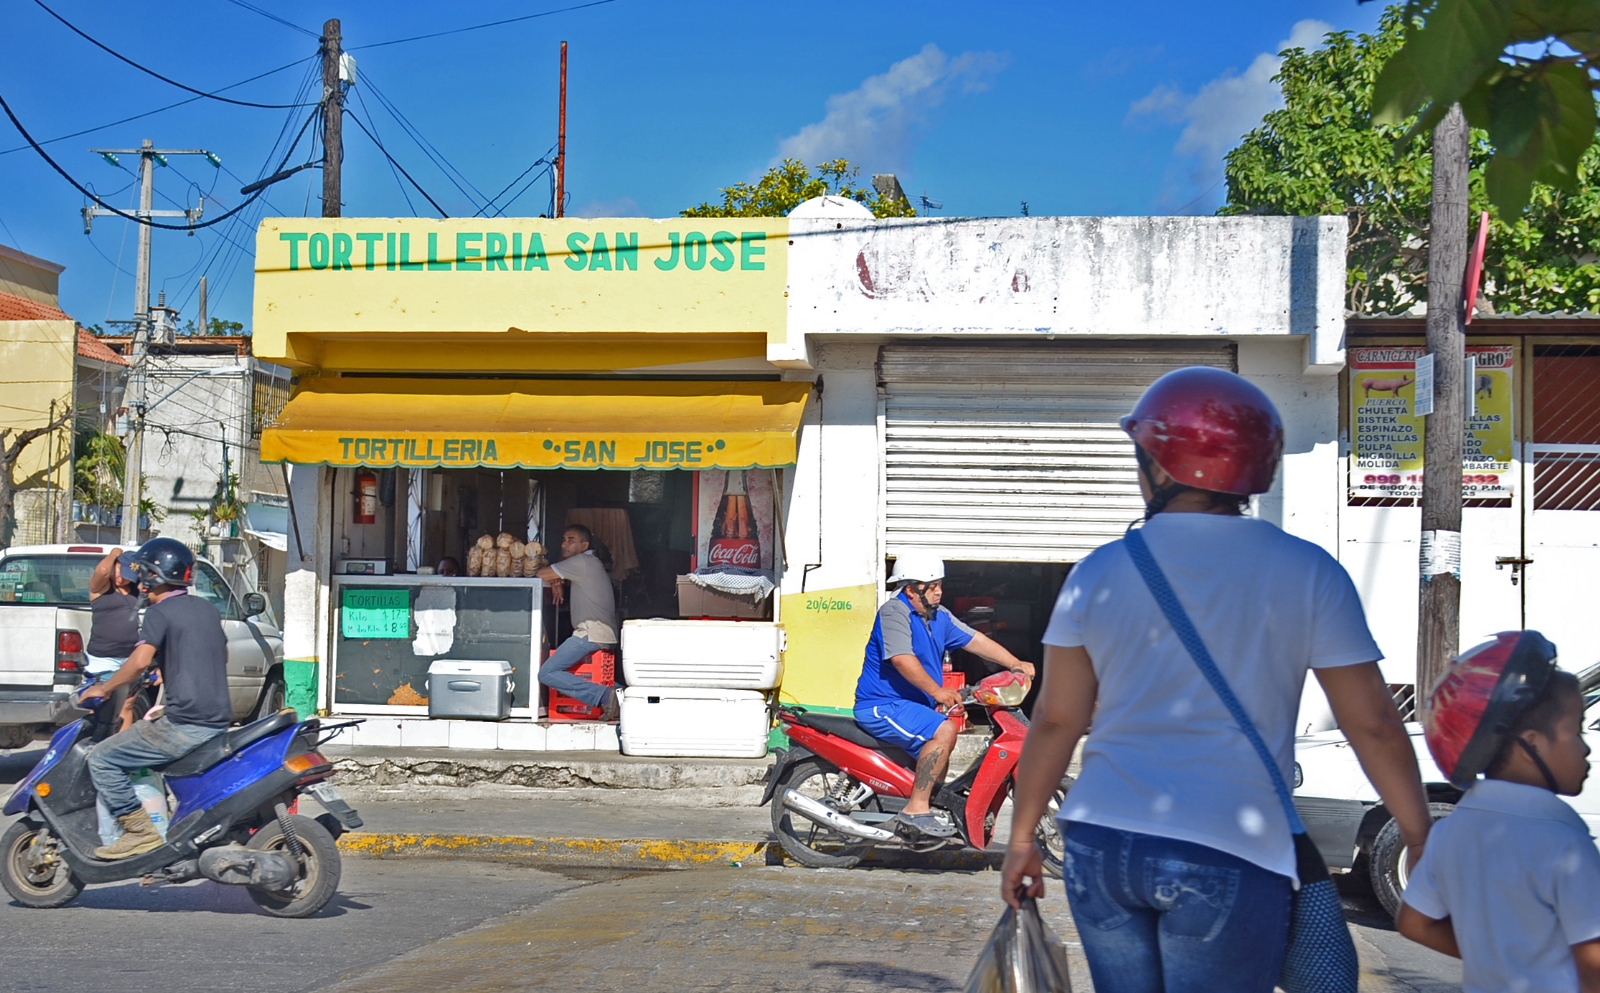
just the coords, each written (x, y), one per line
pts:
(330, 277)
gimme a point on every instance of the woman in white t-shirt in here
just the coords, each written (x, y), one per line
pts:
(1179, 860)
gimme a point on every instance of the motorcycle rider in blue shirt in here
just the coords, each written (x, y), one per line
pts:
(902, 680)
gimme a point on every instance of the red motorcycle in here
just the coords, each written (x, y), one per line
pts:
(834, 794)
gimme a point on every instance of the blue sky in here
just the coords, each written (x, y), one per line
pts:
(1075, 108)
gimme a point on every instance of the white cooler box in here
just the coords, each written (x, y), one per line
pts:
(694, 723)
(470, 688)
(734, 655)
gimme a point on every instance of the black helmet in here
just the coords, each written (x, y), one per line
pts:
(164, 562)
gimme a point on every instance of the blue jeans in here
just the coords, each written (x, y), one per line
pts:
(146, 745)
(554, 672)
(1158, 915)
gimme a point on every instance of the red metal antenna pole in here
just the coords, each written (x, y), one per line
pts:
(561, 141)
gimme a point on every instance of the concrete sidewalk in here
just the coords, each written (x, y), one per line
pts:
(462, 767)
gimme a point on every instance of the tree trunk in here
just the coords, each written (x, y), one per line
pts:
(1439, 612)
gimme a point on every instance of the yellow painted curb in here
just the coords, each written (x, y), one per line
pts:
(569, 849)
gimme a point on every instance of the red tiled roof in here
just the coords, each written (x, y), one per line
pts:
(90, 347)
(15, 308)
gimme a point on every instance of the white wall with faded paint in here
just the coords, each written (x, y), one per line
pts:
(1082, 276)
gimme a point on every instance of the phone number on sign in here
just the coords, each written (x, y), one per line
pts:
(1415, 479)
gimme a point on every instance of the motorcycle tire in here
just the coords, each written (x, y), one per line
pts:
(1052, 847)
(319, 868)
(58, 888)
(806, 841)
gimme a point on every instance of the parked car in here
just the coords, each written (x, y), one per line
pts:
(44, 626)
(1353, 829)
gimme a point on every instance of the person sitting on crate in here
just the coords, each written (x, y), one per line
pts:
(594, 618)
(902, 680)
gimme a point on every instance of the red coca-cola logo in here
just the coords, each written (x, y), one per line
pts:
(736, 552)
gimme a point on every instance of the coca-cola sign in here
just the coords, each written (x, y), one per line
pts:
(735, 519)
(735, 552)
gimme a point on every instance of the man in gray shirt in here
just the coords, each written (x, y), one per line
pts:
(594, 620)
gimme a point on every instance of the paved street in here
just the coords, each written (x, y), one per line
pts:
(471, 924)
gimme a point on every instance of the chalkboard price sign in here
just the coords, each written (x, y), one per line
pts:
(375, 613)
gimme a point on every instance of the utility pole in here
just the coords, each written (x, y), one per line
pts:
(200, 322)
(1439, 609)
(149, 158)
(332, 118)
(561, 141)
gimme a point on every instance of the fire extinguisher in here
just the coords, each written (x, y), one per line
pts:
(366, 508)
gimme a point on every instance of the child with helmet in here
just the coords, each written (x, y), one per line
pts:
(1510, 882)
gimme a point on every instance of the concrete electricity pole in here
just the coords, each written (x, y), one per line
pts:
(1439, 610)
(149, 158)
(332, 118)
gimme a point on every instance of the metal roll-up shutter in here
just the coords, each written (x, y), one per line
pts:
(1008, 453)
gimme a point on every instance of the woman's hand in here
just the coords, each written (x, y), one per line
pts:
(1023, 873)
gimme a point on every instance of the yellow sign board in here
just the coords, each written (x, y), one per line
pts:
(826, 632)
(545, 424)
(351, 275)
(1387, 434)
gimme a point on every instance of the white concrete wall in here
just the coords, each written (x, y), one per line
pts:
(832, 523)
(1305, 497)
(188, 422)
(305, 586)
(1089, 276)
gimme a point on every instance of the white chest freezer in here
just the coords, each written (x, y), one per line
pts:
(734, 655)
(694, 723)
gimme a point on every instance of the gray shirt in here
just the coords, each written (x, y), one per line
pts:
(594, 605)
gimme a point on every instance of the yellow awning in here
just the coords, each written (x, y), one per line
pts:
(538, 424)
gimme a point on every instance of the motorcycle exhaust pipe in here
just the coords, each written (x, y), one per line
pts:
(237, 866)
(823, 814)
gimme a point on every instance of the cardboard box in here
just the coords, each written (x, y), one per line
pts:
(696, 602)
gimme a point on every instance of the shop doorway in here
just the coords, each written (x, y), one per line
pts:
(1008, 601)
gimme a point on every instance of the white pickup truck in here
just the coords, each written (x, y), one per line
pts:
(44, 627)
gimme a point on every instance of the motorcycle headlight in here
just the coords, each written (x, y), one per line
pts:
(1299, 776)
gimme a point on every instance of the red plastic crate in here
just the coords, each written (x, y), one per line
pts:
(955, 681)
(601, 667)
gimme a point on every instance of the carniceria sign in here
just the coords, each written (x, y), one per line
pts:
(1386, 433)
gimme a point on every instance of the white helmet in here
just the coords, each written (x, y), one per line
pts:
(916, 566)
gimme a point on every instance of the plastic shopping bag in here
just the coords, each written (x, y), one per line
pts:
(1022, 955)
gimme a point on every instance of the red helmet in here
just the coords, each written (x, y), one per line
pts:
(1478, 699)
(1209, 429)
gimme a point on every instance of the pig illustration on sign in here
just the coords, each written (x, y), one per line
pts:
(1484, 386)
(1390, 386)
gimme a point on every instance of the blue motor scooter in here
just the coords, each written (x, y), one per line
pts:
(232, 823)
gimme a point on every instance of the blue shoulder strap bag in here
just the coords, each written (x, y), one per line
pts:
(1321, 956)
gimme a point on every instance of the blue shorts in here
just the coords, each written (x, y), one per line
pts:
(900, 722)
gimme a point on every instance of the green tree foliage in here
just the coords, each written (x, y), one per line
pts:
(1323, 154)
(216, 326)
(786, 186)
(97, 467)
(1538, 109)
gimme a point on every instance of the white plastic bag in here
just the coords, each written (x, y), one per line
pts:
(152, 794)
(1022, 955)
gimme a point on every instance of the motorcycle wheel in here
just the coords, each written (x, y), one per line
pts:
(54, 885)
(1048, 835)
(806, 841)
(319, 868)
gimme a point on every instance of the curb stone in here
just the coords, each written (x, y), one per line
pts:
(634, 853)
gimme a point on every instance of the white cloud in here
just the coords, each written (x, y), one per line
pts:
(877, 124)
(1226, 108)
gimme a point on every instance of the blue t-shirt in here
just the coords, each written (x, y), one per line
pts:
(900, 630)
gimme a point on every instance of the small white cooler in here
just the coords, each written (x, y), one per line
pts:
(682, 722)
(470, 688)
(733, 655)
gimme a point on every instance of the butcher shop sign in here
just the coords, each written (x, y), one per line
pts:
(1386, 433)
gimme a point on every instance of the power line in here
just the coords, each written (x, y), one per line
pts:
(541, 160)
(397, 165)
(158, 110)
(132, 217)
(427, 147)
(392, 170)
(165, 79)
(476, 27)
(269, 15)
